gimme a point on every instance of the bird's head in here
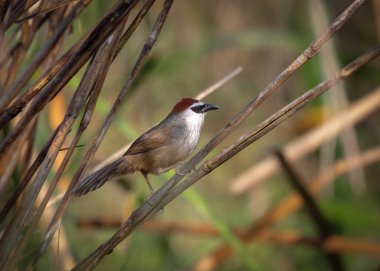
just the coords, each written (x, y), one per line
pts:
(192, 111)
(193, 106)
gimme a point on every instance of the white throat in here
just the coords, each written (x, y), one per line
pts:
(194, 122)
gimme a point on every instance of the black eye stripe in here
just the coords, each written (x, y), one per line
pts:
(198, 108)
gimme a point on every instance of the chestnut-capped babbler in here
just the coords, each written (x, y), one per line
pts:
(159, 149)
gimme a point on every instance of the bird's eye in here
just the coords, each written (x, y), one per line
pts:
(198, 108)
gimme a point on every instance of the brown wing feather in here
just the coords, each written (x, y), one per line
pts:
(152, 139)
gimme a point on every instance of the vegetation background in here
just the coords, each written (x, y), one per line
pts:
(201, 42)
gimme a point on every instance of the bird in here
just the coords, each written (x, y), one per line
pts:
(164, 146)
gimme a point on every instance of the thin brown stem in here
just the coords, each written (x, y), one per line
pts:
(203, 94)
(323, 225)
(4, 9)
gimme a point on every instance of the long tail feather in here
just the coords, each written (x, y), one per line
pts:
(100, 177)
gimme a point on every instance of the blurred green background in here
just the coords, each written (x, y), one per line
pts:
(200, 43)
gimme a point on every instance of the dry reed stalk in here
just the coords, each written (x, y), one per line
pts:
(321, 223)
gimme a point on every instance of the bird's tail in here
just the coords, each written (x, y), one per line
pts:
(101, 176)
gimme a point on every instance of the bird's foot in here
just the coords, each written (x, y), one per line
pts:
(178, 171)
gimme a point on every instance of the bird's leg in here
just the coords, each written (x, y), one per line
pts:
(150, 187)
(147, 182)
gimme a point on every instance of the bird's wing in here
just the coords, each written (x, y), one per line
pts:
(150, 140)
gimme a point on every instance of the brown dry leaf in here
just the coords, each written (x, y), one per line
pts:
(56, 113)
(4, 162)
(63, 185)
(57, 110)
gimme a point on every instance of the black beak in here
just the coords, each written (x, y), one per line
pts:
(209, 107)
